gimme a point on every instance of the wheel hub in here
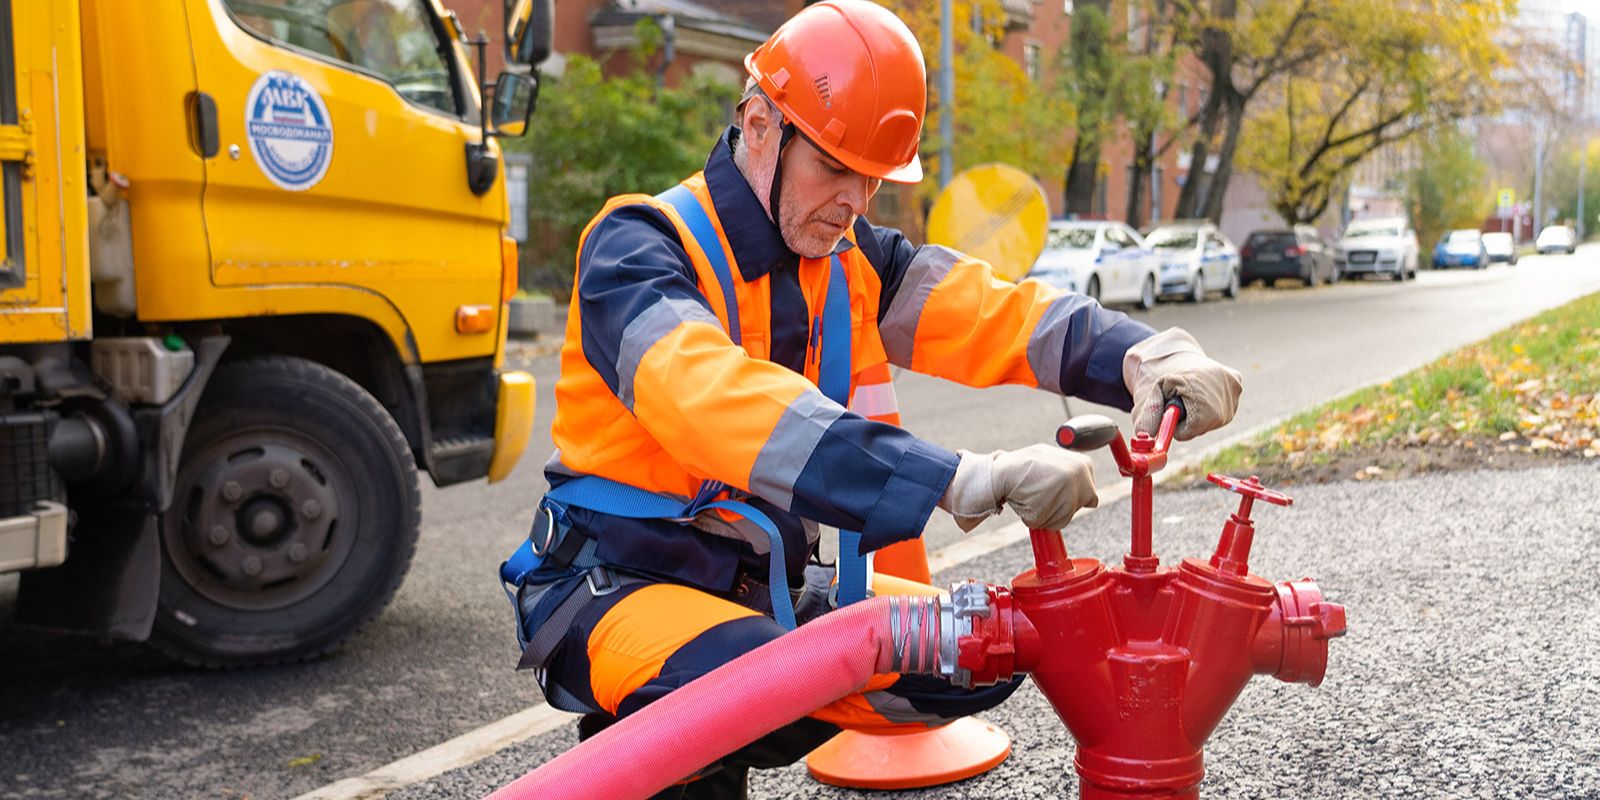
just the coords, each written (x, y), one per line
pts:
(258, 521)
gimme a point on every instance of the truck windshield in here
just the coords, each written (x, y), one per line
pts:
(395, 40)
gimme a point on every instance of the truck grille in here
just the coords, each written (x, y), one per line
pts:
(25, 473)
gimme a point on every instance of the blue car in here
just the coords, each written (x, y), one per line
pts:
(1460, 248)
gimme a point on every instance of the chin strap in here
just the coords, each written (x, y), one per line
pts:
(784, 138)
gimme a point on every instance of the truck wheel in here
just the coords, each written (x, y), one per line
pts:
(293, 521)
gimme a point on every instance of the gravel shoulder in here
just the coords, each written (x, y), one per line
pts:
(1468, 669)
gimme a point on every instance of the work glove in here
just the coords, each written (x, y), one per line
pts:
(1043, 483)
(1171, 364)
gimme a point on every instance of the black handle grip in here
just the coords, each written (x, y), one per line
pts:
(1177, 402)
(1086, 432)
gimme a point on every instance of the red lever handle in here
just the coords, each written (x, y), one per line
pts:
(1251, 487)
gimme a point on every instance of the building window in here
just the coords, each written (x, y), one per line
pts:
(1030, 60)
(1066, 7)
(1183, 101)
(1133, 24)
(1100, 198)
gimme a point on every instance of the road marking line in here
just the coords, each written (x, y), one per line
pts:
(474, 746)
(468, 748)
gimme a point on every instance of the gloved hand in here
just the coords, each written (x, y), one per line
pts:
(1045, 484)
(1169, 364)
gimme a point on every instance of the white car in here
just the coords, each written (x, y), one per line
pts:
(1501, 247)
(1556, 239)
(1195, 259)
(1377, 247)
(1104, 260)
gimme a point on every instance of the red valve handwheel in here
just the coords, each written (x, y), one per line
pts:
(1251, 487)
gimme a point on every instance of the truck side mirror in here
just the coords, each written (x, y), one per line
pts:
(530, 26)
(515, 95)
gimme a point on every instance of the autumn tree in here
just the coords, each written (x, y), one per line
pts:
(595, 137)
(1446, 188)
(1001, 115)
(1390, 70)
(1243, 45)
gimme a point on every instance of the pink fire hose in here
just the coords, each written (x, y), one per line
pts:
(741, 701)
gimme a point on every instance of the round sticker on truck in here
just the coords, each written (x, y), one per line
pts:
(290, 131)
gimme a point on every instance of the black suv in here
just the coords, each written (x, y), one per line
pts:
(1299, 253)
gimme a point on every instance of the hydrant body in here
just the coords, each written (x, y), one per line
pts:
(1142, 661)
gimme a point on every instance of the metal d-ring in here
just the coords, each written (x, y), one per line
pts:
(541, 550)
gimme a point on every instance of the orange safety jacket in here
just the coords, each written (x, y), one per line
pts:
(654, 393)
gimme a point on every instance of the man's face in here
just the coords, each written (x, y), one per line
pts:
(820, 199)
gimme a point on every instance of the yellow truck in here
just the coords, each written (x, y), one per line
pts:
(255, 275)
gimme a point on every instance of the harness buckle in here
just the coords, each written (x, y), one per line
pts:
(610, 584)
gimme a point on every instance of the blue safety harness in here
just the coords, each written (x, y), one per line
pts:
(622, 500)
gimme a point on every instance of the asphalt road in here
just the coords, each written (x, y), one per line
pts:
(82, 718)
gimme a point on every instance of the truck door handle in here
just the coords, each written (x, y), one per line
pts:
(204, 137)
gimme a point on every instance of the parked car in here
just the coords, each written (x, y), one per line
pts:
(1377, 247)
(1195, 259)
(1461, 248)
(1104, 260)
(1297, 253)
(1500, 247)
(1556, 239)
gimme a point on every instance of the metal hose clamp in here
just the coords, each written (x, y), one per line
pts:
(966, 600)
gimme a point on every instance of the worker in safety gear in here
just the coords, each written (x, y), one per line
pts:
(709, 415)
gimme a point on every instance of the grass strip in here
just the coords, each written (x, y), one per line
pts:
(1527, 392)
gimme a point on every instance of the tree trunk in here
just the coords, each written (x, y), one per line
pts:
(1216, 52)
(1081, 177)
(1134, 211)
(1089, 36)
(1189, 196)
(1217, 188)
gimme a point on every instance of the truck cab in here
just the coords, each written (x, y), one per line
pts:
(256, 281)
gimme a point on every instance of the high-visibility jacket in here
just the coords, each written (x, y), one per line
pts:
(654, 393)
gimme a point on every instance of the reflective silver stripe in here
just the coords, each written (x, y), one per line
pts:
(790, 445)
(1047, 344)
(660, 319)
(874, 400)
(895, 708)
(899, 327)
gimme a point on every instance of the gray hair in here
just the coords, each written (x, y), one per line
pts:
(752, 90)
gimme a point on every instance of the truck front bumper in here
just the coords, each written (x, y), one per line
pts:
(513, 422)
(34, 540)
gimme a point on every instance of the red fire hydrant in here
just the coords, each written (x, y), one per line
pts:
(1143, 661)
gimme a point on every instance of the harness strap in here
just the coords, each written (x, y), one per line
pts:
(833, 378)
(536, 655)
(705, 237)
(621, 500)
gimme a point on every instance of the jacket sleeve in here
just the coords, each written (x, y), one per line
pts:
(649, 331)
(946, 314)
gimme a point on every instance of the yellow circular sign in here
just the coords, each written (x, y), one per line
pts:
(994, 212)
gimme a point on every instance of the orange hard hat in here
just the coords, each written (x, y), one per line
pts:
(849, 76)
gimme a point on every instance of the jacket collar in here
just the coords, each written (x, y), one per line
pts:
(757, 246)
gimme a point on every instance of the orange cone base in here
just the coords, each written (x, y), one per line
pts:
(960, 750)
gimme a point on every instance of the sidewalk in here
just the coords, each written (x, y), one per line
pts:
(1468, 671)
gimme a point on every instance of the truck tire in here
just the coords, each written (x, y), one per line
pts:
(294, 520)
